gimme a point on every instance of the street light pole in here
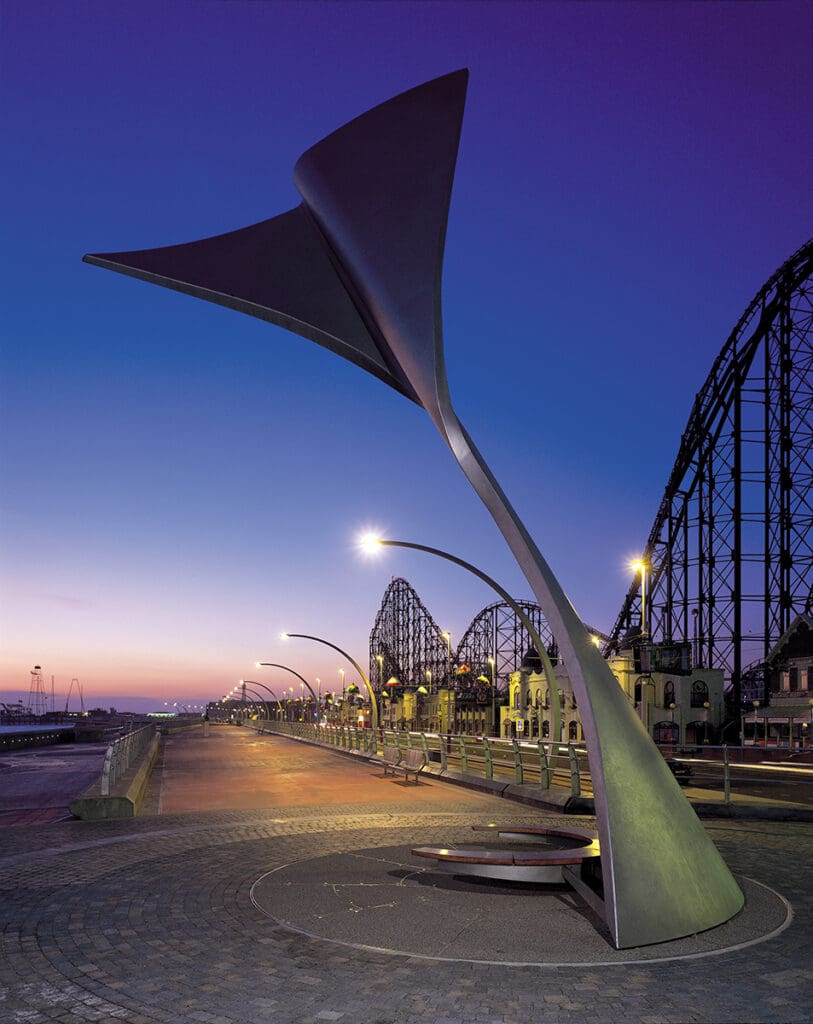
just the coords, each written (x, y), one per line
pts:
(641, 566)
(285, 668)
(371, 543)
(353, 662)
(380, 660)
(494, 725)
(258, 695)
(447, 636)
(253, 682)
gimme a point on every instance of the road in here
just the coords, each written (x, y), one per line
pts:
(37, 784)
(769, 781)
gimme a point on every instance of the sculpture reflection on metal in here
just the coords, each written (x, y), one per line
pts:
(356, 267)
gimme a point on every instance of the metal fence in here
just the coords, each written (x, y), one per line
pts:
(543, 764)
(735, 773)
(122, 753)
(717, 774)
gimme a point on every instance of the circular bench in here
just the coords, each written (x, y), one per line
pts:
(547, 851)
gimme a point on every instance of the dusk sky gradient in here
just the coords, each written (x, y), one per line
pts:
(179, 482)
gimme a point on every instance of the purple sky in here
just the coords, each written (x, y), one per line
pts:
(180, 483)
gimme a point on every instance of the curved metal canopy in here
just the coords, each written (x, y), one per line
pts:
(357, 269)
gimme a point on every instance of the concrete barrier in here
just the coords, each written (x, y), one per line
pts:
(126, 796)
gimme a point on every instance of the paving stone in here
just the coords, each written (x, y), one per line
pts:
(151, 920)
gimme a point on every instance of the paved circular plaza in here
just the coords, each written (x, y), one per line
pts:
(307, 912)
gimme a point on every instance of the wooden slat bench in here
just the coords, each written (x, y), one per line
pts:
(532, 865)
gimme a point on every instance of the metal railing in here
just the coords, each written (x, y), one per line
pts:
(745, 773)
(542, 764)
(724, 774)
(122, 753)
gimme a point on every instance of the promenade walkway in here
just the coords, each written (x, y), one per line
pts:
(269, 880)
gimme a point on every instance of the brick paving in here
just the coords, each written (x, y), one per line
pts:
(151, 919)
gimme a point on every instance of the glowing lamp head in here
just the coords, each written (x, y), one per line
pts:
(283, 636)
(638, 566)
(369, 543)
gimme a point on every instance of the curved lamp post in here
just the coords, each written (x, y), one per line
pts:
(302, 679)
(264, 704)
(242, 699)
(371, 543)
(254, 683)
(355, 664)
(357, 268)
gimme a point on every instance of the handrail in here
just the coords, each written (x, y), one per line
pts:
(549, 764)
(122, 753)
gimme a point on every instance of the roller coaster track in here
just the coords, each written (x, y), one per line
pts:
(730, 554)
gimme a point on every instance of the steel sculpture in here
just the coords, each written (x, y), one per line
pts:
(356, 267)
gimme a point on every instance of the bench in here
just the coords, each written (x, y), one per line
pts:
(391, 759)
(543, 864)
(413, 763)
(410, 762)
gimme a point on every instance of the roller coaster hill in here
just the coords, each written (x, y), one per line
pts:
(727, 580)
(728, 560)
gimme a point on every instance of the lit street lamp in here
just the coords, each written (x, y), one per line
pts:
(371, 544)
(447, 636)
(494, 724)
(355, 664)
(246, 683)
(285, 668)
(254, 683)
(672, 708)
(380, 659)
(641, 567)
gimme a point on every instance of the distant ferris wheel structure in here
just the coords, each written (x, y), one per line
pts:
(729, 558)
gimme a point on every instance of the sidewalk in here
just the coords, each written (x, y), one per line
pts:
(708, 803)
(276, 885)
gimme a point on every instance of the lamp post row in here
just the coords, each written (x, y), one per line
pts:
(372, 544)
